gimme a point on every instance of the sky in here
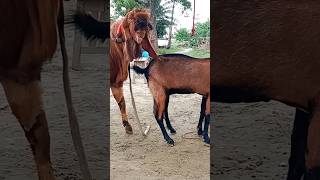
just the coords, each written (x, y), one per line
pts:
(202, 14)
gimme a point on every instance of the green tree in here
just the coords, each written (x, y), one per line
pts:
(203, 29)
(202, 34)
(122, 7)
(162, 18)
(182, 35)
(185, 5)
(200, 37)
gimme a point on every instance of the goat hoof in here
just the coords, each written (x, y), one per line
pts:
(313, 174)
(173, 131)
(170, 141)
(128, 129)
(206, 139)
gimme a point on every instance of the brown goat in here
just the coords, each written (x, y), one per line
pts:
(134, 30)
(178, 74)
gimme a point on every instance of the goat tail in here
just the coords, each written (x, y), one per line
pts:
(90, 27)
(139, 70)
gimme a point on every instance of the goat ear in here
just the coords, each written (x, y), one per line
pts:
(129, 18)
(125, 22)
(131, 15)
(146, 45)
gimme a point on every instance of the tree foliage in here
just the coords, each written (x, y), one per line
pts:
(182, 35)
(122, 7)
(203, 29)
(162, 18)
(201, 36)
(185, 4)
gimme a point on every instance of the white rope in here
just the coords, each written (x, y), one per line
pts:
(144, 133)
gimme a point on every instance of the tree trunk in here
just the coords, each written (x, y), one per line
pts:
(170, 28)
(154, 36)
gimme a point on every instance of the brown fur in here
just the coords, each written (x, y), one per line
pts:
(174, 73)
(28, 38)
(178, 74)
(28, 30)
(269, 50)
(121, 54)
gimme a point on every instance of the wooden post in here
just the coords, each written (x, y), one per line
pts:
(97, 8)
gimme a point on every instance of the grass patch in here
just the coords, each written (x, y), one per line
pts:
(197, 53)
(173, 49)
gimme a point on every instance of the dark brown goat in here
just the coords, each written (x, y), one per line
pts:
(178, 74)
(269, 50)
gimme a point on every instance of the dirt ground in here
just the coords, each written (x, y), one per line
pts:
(136, 158)
(251, 141)
(89, 95)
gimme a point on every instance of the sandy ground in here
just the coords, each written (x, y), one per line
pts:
(89, 94)
(136, 158)
(251, 141)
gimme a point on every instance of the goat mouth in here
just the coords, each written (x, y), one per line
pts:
(139, 41)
